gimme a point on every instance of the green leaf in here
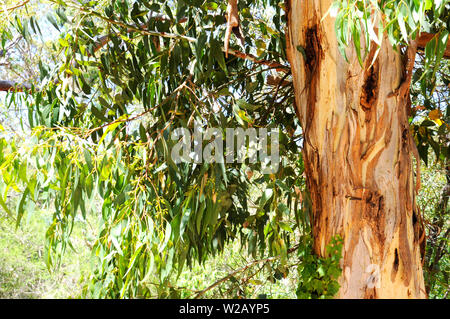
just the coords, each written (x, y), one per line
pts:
(216, 50)
(143, 133)
(285, 226)
(5, 208)
(52, 20)
(116, 245)
(20, 209)
(88, 158)
(98, 114)
(63, 42)
(247, 106)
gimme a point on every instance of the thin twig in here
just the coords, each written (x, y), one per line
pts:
(16, 6)
(253, 263)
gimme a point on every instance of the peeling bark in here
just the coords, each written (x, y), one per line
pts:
(357, 155)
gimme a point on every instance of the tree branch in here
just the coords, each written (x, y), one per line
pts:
(104, 40)
(278, 66)
(423, 40)
(16, 6)
(9, 86)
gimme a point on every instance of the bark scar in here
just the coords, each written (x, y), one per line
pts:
(370, 89)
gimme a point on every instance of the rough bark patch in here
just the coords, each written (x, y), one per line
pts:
(369, 93)
(313, 49)
(395, 265)
(374, 215)
(396, 260)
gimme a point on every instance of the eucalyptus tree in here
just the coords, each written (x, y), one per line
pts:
(333, 77)
(358, 150)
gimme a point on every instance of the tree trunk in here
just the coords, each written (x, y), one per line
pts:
(357, 152)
